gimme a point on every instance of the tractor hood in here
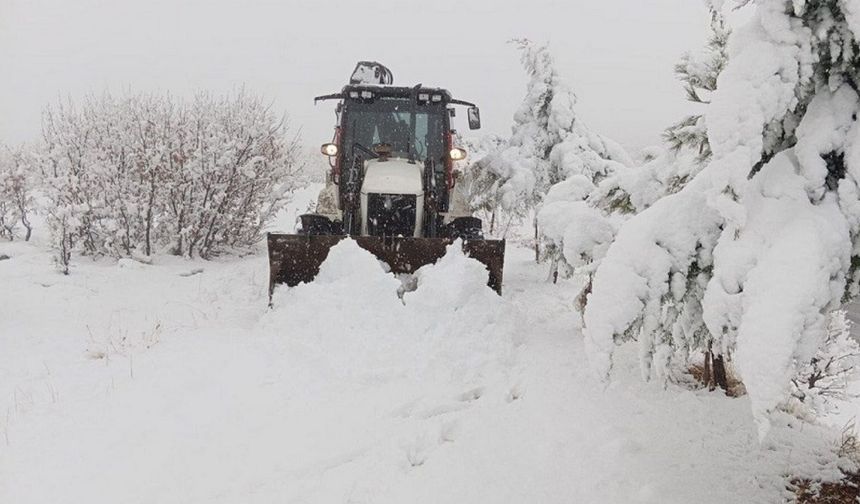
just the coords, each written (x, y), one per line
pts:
(392, 176)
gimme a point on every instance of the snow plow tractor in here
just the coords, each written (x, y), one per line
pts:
(391, 186)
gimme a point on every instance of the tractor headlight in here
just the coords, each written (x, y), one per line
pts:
(329, 149)
(457, 154)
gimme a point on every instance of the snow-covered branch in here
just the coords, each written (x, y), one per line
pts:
(17, 184)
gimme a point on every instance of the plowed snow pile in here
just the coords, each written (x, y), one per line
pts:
(352, 324)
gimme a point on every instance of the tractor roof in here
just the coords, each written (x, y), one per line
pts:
(355, 91)
(396, 91)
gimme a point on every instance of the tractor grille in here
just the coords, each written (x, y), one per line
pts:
(391, 214)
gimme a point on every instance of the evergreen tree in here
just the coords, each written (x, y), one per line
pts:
(549, 143)
(773, 219)
(666, 171)
(551, 163)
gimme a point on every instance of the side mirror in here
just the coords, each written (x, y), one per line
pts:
(474, 118)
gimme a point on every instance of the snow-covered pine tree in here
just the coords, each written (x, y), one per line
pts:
(666, 170)
(553, 160)
(523, 167)
(775, 216)
(548, 142)
(626, 192)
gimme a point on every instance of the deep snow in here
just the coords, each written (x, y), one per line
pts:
(173, 382)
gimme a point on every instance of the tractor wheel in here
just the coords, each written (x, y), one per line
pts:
(467, 228)
(315, 224)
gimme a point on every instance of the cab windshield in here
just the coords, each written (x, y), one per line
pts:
(414, 131)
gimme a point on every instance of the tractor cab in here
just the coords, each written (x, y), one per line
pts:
(412, 129)
(393, 146)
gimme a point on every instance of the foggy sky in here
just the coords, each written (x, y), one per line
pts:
(616, 54)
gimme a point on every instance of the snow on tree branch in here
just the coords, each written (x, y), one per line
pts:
(699, 74)
(825, 381)
(17, 183)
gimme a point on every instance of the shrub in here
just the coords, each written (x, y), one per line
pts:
(147, 173)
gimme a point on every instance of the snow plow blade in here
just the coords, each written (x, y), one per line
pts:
(294, 259)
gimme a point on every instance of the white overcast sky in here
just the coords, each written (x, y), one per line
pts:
(616, 54)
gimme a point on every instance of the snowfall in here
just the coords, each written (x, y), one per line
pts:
(174, 382)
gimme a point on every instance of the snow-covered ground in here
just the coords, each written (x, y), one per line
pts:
(174, 382)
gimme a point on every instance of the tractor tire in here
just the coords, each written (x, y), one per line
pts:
(315, 224)
(466, 228)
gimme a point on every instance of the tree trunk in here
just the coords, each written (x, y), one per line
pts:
(149, 214)
(720, 377)
(715, 371)
(707, 377)
(537, 242)
(553, 270)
